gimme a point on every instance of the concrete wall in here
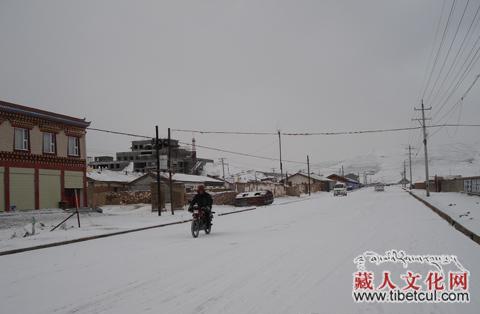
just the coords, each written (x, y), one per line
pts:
(6, 140)
(50, 193)
(2, 190)
(22, 188)
(36, 141)
(62, 144)
(455, 185)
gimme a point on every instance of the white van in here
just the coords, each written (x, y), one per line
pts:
(340, 189)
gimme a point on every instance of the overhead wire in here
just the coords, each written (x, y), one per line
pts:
(460, 51)
(439, 48)
(448, 51)
(460, 76)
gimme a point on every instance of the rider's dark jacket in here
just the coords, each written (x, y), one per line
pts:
(203, 200)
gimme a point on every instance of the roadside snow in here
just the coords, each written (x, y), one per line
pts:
(14, 226)
(461, 207)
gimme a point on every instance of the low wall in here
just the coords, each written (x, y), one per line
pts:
(219, 198)
(119, 198)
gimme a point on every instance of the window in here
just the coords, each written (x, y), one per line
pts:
(73, 146)
(21, 139)
(49, 143)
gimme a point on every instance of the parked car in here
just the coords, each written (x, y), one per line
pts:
(340, 189)
(379, 187)
(255, 198)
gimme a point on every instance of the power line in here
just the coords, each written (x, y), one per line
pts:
(244, 154)
(460, 75)
(460, 50)
(439, 48)
(459, 102)
(120, 133)
(449, 50)
(437, 30)
(224, 132)
(328, 133)
(271, 158)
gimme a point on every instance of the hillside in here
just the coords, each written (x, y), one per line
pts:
(445, 160)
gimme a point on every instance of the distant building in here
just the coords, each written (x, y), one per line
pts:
(353, 176)
(191, 182)
(42, 158)
(144, 158)
(107, 162)
(321, 183)
(351, 183)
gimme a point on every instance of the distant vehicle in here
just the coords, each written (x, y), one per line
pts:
(255, 198)
(340, 189)
(379, 187)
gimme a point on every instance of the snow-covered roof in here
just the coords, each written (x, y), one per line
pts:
(313, 176)
(113, 176)
(182, 177)
(251, 194)
(192, 178)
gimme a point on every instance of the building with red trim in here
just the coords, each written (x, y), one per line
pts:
(42, 159)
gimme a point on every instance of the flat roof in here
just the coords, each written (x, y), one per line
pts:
(43, 114)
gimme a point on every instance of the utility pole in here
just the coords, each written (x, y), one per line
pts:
(280, 152)
(157, 150)
(424, 127)
(223, 167)
(170, 181)
(410, 164)
(308, 169)
(404, 184)
(343, 173)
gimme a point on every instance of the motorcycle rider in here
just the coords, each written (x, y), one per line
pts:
(203, 200)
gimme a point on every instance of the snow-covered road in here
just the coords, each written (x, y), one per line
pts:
(292, 258)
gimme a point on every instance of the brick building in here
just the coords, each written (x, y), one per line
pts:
(42, 158)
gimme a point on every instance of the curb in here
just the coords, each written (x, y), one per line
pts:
(106, 235)
(237, 211)
(94, 237)
(472, 235)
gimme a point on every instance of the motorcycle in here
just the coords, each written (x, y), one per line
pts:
(200, 221)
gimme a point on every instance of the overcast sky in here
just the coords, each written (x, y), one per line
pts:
(232, 65)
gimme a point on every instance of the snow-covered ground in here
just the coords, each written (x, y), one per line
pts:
(290, 258)
(13, 226)
(461, 207)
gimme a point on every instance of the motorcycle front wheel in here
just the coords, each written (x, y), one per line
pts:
(195, 228)
(208, 229)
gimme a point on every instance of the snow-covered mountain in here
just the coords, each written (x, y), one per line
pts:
(445, 160)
